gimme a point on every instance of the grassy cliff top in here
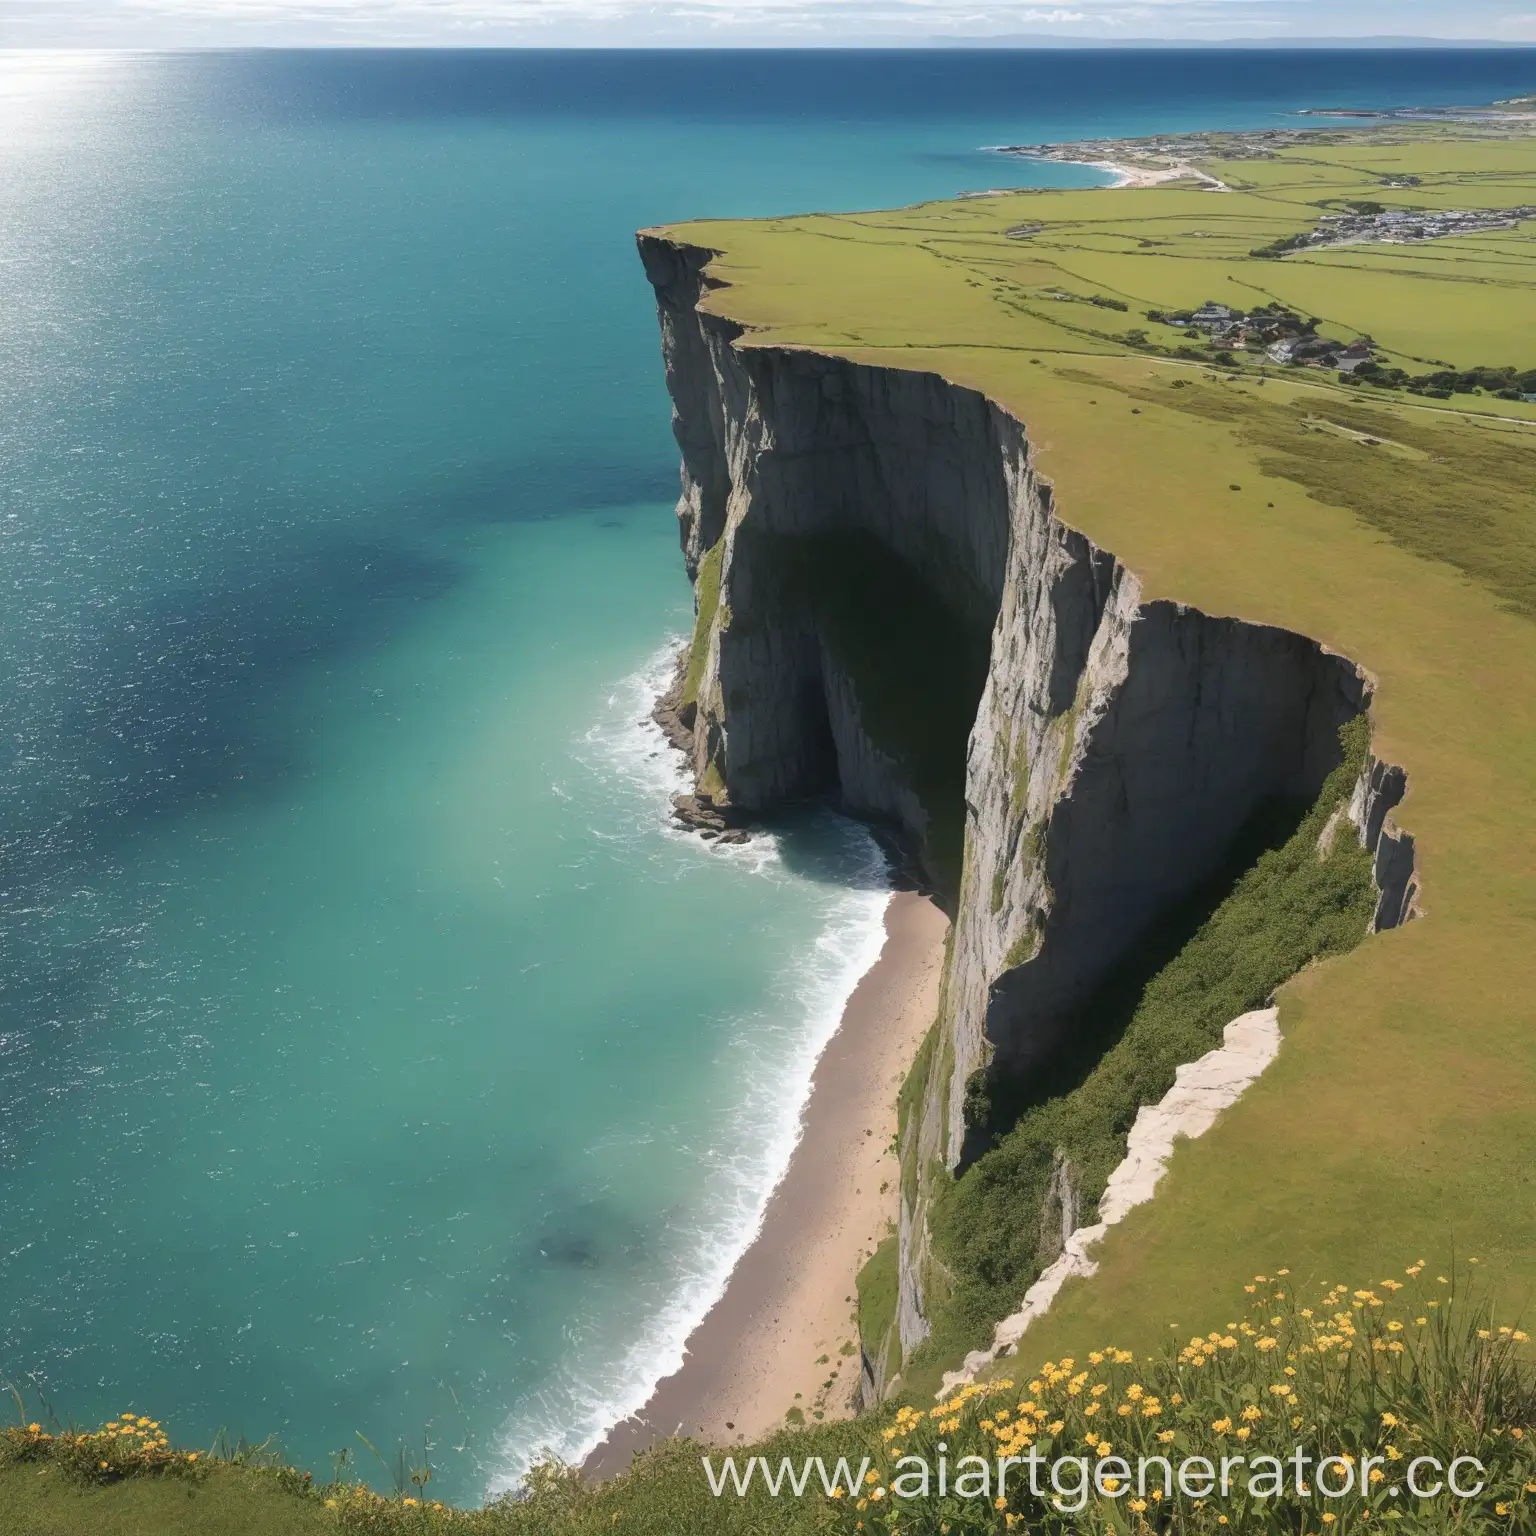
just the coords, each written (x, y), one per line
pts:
(1396, 527)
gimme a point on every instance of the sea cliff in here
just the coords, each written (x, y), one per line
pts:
(892, 614)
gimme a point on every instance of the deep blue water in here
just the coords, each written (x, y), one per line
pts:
(371, 1056)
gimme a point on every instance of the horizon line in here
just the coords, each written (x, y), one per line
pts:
(1002, 43)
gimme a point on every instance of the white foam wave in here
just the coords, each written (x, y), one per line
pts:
(774, 1051)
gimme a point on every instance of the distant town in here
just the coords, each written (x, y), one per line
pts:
(1362, 223)
(1279, 333)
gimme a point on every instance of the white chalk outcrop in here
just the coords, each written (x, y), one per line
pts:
(1201, 1090)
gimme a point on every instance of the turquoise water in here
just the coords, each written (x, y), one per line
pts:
(372, 1055)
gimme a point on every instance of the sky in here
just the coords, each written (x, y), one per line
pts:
(732, 23)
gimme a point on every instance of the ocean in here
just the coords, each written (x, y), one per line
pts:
(373, 1057)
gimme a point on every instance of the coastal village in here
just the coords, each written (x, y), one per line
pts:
(1272, 333)
(1279, 333)
(1363, 223)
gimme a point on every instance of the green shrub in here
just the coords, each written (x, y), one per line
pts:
(706, 596)
(130, 1447)
(878, 1284)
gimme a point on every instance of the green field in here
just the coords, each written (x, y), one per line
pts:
(946, 275)
(1399, 530)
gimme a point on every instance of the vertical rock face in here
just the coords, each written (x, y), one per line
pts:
(1108, 750)
(782, 451)
(1378, 792)
(1120, 798)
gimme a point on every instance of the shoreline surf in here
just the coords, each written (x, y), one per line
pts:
(783, 1334)
(573, 1415)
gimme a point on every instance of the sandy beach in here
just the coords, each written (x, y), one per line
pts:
(1154, 176)
(780, 1330)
